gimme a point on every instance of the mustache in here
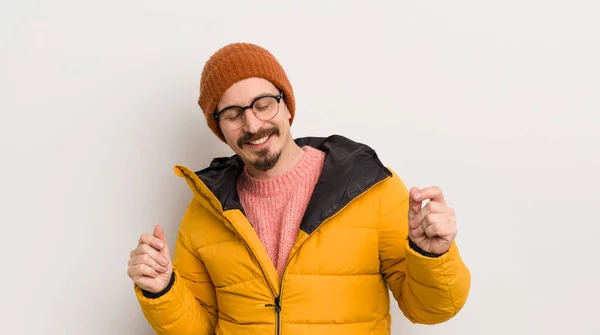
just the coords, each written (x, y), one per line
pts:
(248, 137)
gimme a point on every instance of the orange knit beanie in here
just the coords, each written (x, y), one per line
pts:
(235, 62)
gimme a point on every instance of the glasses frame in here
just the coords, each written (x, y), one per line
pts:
(278, 97)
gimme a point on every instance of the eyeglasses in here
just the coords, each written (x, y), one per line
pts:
(264, 107)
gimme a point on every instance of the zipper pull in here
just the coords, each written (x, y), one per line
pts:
(277, 304)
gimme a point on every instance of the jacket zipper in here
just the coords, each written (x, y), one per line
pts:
(278, 315)
(278, 299)
(277, 306)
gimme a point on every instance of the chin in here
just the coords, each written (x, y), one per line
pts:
(266, 162)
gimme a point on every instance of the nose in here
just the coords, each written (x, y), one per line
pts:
(252, 124)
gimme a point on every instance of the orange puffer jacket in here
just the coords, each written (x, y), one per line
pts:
(352, 249)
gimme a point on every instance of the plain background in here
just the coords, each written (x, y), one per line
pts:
(495, 102)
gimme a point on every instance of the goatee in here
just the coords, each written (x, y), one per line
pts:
(266, 161)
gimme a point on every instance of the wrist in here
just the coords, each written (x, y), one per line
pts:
(422, 252)
(152, 295)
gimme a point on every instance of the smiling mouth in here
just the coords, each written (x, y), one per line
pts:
(260, 140)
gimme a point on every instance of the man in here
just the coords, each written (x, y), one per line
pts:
(294, 236)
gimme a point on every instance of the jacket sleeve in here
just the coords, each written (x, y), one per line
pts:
(189, 305)
(429, 290)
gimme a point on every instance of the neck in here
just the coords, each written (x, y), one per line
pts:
(290, 156)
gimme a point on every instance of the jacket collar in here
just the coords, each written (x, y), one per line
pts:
(350, 168)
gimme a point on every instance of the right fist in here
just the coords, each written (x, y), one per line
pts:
(150, 263)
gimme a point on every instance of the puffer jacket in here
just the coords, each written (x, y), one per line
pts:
(352, 249)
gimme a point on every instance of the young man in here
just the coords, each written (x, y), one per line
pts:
(294, 236)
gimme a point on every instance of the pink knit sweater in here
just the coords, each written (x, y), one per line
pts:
(275, 207)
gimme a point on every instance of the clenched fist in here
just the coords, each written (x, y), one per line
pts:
(432, 227)
(150, 263)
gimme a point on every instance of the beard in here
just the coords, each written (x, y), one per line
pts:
(266, 159)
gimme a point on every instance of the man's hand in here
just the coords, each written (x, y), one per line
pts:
(433, 227)
(150, 263)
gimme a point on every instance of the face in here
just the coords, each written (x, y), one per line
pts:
(259, 143)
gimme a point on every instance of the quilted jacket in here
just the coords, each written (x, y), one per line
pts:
(351, 251)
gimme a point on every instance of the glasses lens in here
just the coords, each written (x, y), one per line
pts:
(265, 108)
(232, 118)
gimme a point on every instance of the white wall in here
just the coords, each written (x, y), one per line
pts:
(496, 102)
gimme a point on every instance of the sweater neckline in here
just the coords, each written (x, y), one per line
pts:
(312, 158)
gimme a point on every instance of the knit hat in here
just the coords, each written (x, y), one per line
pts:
(235, 62)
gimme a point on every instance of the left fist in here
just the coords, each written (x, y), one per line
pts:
(433, 227)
